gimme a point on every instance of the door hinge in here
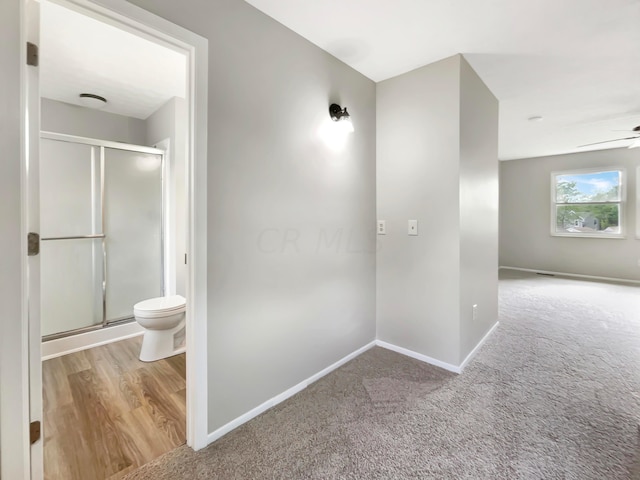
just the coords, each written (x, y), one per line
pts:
(33, 244)
(32, 54)
(34, 432)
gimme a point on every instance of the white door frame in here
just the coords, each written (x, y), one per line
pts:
(20, 17)
(140, 22)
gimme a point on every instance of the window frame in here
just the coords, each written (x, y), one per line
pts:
(622, 220)
(637, 200)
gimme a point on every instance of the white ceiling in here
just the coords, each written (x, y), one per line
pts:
(574, 62)
(79, 54)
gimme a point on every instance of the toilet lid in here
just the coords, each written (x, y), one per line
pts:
(161, 304)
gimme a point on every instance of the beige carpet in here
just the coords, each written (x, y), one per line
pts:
(554, 394)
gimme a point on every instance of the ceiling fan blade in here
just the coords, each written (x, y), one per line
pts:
(634, 130)
(607, 141)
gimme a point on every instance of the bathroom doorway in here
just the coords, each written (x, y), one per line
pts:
(119, 208)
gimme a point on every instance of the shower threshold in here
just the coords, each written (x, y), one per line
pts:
(92, 328)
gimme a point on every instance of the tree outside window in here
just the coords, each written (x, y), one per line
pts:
(587, 204)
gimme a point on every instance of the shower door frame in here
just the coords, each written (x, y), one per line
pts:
(102, 145)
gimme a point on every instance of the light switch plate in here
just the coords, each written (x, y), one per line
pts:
(382, 227)
(413, 227)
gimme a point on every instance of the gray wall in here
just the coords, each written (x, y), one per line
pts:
(10, 239)
(437, 163)
(283, 304)
(525, 239)
(63, 117)
(169, 122)
(479, 204)
(418, 277)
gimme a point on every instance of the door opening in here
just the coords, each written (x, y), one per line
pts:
(130, 19)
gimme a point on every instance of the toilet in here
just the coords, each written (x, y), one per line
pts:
(163, 320)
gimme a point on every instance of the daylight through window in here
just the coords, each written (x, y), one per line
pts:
(587, 203)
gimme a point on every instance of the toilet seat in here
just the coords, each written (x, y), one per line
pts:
(160, 306)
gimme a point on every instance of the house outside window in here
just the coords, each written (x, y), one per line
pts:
(588, 203)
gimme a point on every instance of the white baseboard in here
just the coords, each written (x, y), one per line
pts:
(477, 347)
(434, 361)
(419, 356)
(233, 424)
(576, 275)
(84, 341)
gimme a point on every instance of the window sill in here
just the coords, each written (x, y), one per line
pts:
(587, 235)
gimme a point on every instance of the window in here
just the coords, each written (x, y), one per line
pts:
(587, 203)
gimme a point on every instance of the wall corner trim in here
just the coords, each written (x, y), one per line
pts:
(435, 362)
(477, 347)
(419, 356)
(233, 424)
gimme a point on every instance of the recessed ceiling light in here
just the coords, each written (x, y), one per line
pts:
(536, 118)
(92, 101)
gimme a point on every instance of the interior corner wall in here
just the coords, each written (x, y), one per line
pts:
(437, 162)
(60, 117)
(291, 240)
(525, 218)
(479, 205)
(169, 122)
(418, 151)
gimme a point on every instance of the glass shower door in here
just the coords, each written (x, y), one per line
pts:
(101, 224)
(70, 228)
(133, 222)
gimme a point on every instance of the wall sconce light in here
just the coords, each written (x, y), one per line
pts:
(340, 115)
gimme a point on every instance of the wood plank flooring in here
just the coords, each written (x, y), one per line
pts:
(106, 413)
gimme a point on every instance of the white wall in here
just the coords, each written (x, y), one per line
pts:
(283, 304)
(437, 163)
(525, 239)
(168, 124)
(63, 117)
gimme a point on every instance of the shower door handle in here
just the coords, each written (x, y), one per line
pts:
(76, 237)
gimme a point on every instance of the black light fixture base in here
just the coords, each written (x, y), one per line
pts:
(335, 111)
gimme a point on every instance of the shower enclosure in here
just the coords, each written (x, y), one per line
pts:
(101, 225)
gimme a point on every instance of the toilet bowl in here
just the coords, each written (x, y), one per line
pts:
(163, 320)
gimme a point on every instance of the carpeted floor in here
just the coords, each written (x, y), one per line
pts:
(553, 394)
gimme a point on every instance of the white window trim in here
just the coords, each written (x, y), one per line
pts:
(623, 200)
(638, 203)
